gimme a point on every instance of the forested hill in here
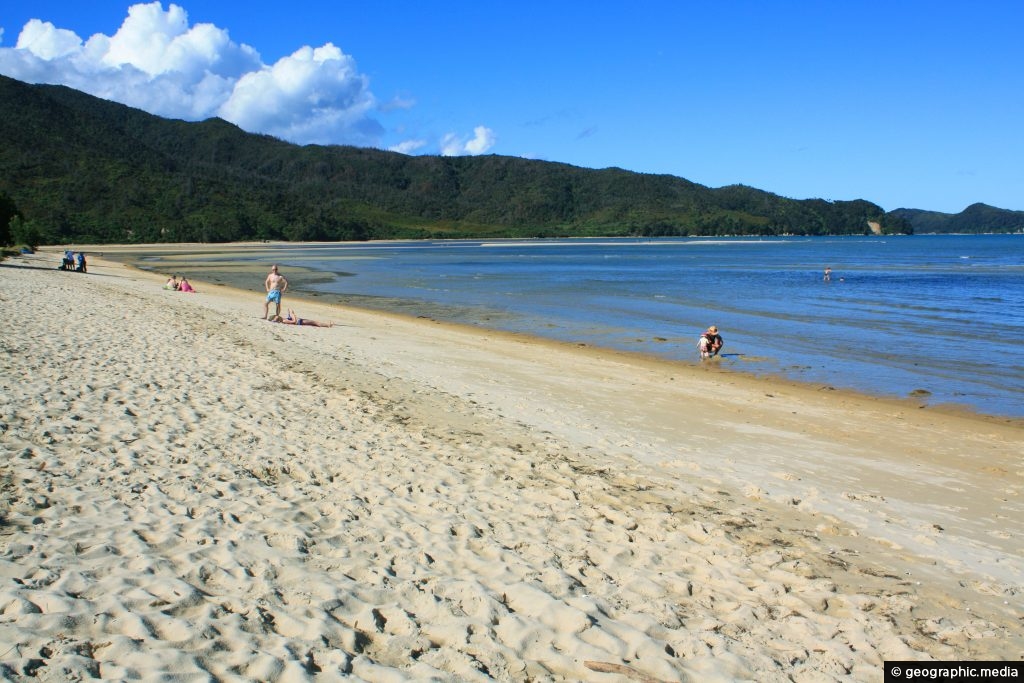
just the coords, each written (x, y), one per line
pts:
(976, 218)
(82, 169)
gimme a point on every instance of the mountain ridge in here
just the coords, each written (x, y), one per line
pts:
(79, 168)
(977, 217)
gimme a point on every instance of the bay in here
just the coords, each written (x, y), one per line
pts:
(937, 317)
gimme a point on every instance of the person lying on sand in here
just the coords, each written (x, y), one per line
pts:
(293, 319)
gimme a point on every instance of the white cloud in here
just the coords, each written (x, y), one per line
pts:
(313, 95)
(483, 139)
(408, 146)
(46, 41)
(398, 103)
(451, 146)
(157, 63)
(151, 40)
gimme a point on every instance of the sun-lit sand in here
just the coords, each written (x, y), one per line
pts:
(192, 493)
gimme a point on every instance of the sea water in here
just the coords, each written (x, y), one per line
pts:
(937, 317)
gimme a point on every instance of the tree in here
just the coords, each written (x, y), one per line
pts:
(25, 232)
(8, 212)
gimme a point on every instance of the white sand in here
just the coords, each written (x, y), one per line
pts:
(190, 493)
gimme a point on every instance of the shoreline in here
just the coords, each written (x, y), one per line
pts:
(194, 491)
(253, 274)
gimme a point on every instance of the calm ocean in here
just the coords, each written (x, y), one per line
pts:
(936, 314)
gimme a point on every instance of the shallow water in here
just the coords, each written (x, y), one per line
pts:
(938, 316)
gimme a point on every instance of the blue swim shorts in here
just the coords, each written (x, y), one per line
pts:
(274, 296)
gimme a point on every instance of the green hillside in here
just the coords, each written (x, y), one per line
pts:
(82, 169)
(976, 218)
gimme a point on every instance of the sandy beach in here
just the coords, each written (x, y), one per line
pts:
(191, 493)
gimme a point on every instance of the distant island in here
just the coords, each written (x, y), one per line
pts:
(79, 169)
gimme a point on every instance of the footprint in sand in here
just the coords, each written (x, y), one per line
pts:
(754, 492)
(863, 497)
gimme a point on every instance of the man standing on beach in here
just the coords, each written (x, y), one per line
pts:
(276, 285)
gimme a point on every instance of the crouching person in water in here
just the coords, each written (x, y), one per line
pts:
(710, 343)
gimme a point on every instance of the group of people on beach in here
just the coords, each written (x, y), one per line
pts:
(709, 345)
(176, 285)
(276, 285)
(74, 261)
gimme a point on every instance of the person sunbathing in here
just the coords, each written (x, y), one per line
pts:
(292, 319)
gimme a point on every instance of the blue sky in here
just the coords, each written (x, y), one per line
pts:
(906, 104)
